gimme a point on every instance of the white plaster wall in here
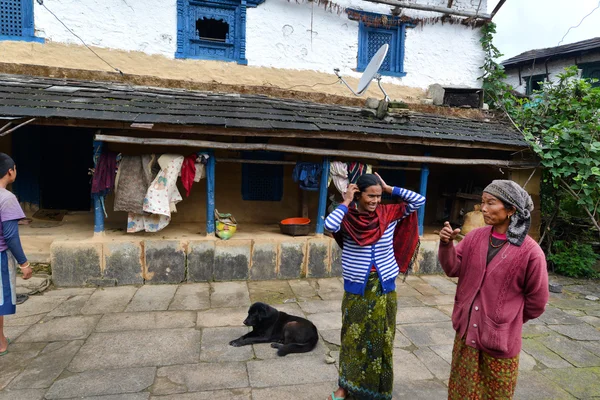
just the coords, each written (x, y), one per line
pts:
(554, 68)
(446, 54)
(278, 35)
(149, 26)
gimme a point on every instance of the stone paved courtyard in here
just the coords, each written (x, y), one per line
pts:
(171, 342)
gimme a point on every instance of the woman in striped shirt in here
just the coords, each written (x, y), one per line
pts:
(378, 241)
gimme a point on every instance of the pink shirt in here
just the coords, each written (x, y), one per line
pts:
(9, 211)
(493, 302)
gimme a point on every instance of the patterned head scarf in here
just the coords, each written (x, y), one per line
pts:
(513, 194)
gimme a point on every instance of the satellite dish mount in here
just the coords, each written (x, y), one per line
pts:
(371, 72)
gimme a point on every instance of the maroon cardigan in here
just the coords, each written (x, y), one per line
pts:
(492, 303)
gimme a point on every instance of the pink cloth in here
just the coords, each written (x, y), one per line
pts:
(499, 236)
(492, 302)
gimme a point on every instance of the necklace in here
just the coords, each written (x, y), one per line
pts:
(494, 245)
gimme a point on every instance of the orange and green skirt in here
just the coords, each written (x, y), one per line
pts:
(366, 353)
(475, 375)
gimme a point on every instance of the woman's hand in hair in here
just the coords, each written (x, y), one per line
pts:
(349, 194)
(386, 188)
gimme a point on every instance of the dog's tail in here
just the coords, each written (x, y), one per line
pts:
(297, 347)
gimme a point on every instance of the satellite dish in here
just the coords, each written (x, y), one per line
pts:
(371, 72)
(372, 69)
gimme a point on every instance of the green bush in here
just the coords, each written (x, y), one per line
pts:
(574, 259)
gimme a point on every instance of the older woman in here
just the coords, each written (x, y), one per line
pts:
(503, 283)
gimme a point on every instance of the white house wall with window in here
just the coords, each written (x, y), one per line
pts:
(252, 41)
(526, 71)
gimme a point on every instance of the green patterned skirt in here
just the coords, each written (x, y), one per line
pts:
(475, 375)
(368, 331)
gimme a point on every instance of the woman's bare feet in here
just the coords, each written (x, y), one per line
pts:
(340, 393)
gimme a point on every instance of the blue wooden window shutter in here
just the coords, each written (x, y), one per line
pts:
(213, 29)
(16, 21)
(375, 30)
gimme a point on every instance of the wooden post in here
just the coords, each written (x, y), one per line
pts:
(210, 194)
(98, 203)
(423, 192)
(323, 196)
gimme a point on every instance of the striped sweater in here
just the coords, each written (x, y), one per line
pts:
(357, 260)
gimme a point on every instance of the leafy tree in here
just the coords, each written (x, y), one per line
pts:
(561, 122)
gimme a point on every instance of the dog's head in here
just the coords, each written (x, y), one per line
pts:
(258, 313)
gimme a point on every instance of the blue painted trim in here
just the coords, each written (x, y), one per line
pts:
(323, 196)
(395, 53)
(28, 31)
(22, 39)
(423, 192)
(189, 45)
(210, 193)
(98, 206)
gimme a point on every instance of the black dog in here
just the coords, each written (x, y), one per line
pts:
(287, 333)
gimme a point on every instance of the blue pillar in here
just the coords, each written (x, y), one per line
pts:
(210, 193)
(423, 192)
(98, 203)
(323, 196)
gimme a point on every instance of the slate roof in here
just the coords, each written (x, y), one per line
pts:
(566, 50)
(27, 96)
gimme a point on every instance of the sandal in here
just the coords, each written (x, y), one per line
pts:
(336, 398)
(5, 352)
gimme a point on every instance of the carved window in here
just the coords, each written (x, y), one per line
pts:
(212, 29)
(370, 39)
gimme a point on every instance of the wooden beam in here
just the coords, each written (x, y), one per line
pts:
(242, 161)
(422, 7)
(17, 127)
(345, 154)
(337, 136)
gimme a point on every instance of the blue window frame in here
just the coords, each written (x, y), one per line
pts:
(262, 182)
(16, 21)
(213, 29)
(370, 39)
(591, 71)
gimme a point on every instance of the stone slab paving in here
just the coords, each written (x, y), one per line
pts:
(191, 296)
(150, 298)
(137, 349)
(109, 300)
(229, 294)
(170, 342)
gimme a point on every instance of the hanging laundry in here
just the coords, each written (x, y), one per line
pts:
(161, 197)
(188, 173)
(201, 162)
(133, 180)
(103, 181)
(308, 174)
(338, 172)
(356, 169)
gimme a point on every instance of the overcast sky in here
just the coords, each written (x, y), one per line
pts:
(534, 24)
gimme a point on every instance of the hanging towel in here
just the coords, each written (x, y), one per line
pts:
(356, 169)
(188, 173)
(161, 197)
(308, 174)
(338, 172)
(135, 176)
(103, 181)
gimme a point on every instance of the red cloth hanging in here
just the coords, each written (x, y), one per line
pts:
(188, 171)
